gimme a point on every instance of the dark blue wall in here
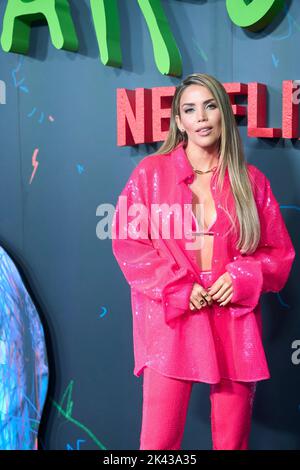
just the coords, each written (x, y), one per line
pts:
(49, 226)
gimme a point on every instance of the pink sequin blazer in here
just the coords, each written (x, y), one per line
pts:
(161, 271)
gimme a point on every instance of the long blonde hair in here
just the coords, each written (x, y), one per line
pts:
(231, 157)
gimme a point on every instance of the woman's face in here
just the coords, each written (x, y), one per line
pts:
(199, 110)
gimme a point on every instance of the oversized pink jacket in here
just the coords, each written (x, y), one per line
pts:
(167, 335)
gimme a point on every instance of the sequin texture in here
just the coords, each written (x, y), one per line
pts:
(217, 341)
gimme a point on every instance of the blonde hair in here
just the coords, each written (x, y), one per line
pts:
(231, 157)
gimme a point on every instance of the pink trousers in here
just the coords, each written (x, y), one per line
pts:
(165, 404)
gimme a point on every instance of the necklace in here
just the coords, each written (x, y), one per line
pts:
(200, 172)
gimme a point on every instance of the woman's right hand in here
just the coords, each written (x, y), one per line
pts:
(199, 297)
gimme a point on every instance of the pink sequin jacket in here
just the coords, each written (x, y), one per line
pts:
(161, 271)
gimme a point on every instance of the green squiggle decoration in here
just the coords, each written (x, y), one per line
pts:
(254, 15)
(107, 25)
(166, 53)
(67, 413)
(19, 16)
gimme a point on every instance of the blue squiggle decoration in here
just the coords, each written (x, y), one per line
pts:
(290, 206)
(18, 84)
(291, 21)
(281, 301)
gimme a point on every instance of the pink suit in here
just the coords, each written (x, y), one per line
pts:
(217, 342)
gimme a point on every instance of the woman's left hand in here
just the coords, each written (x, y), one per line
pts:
(222, 289)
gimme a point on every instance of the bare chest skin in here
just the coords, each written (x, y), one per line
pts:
(202, 195)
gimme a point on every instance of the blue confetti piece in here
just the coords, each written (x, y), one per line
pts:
(80, 169)
(282, 302)
(290, 206)
(275, 60)
(79, 441)
(201, 52)
(42, 115)
(104, 312)
(32, 112)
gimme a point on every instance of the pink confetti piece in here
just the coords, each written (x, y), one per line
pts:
(35, 164)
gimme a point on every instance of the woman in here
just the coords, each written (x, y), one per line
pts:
(195, 295)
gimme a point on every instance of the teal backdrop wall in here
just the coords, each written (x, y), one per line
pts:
(61, 107)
